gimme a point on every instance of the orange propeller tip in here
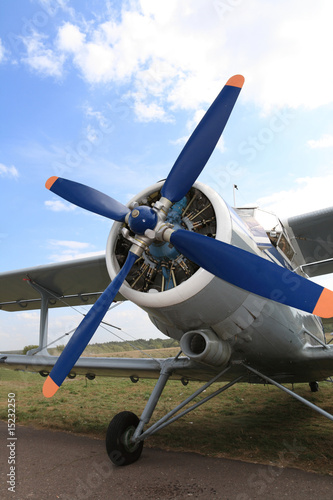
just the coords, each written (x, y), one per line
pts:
(49, 183)
(324, 306)
(236, 81)
(49, 387)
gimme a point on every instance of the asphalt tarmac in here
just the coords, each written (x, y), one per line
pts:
(58, 465)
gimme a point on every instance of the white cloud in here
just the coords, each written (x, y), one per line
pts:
(8, 171)
(72, 245)
(52, 7)
(177, 55)
(101, 120)
(65, 250)
(44, 60)
(181, 141)
(70, 38)
(2, 52)
(305, 195)
(68, 255)
(30, 316)
(220, 146)
(326, 141)
(59, 206)
(150, 112)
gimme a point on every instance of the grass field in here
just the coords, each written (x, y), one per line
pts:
(247, 422)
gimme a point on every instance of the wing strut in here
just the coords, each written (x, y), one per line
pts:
(44, 315)
(291, 393)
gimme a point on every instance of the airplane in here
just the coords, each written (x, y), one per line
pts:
(230, 284)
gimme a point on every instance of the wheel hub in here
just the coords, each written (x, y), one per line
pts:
(126, 439)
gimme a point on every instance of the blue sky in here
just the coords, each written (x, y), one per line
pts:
(105, 93)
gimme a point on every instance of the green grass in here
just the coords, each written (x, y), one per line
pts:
(247, 422)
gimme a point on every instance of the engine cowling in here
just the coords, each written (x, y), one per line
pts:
(177, 294)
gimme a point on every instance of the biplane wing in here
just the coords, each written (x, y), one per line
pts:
(311, 235)
(314, 360)
(183, 368)
(70, 283)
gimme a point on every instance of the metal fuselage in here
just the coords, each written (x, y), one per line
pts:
(274, 338)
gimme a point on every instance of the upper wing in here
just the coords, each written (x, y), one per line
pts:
(67, 283)
(312, 237)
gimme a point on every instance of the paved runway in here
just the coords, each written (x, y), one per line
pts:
(58, 465)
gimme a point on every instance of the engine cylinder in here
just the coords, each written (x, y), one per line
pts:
(206, 347)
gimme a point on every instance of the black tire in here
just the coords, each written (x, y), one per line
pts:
(118, 446)
(314, 386)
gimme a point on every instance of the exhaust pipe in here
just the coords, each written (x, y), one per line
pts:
(204, 346)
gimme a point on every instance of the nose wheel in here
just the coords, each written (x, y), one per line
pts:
(120, 449)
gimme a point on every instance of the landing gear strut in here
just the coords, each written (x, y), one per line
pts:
(126, 434)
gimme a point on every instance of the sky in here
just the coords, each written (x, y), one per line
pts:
(106, 93)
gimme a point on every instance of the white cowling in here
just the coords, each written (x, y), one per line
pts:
(153, 302)
(202, 301)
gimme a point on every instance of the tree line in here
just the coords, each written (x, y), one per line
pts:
(117, 346)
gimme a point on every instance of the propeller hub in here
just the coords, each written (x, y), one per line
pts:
(142, 218)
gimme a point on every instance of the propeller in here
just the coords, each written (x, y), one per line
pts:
(253, 273)
(234, 265)
(85, 331)
(184, 173)
(202, 142)
(88, 198)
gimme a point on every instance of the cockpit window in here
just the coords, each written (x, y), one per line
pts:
(266, 227)
(285, 247)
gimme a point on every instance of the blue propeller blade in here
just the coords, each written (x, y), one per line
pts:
(253, 273)
(85, 331)
(88, 198)
(202, 142)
